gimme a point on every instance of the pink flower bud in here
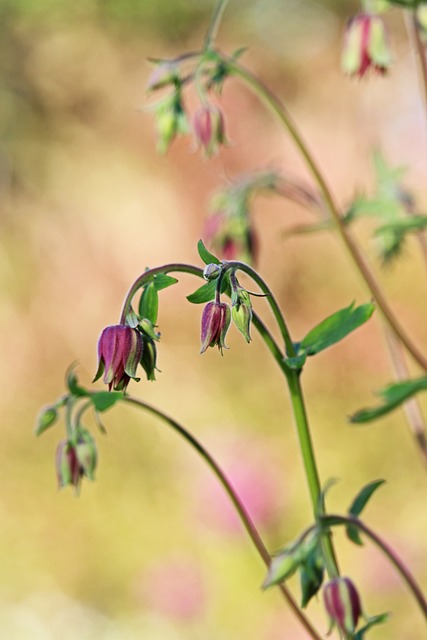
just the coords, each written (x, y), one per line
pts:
(365, 46)
(68, 467)
(209, 128)
(120, 350)
(342, 604)
(216, 320)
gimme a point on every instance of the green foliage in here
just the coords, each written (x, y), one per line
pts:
(47, 417)
(335, 327)
(311, 574)
(149, 303)
(103, 400)
(372, 622)
(292, 557)
(357, 507)
(393, 396)
(162, 281)
(73, 386)
(205, 255)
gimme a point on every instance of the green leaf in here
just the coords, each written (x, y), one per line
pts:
(363, 497)
(284, 563)
(205, 293)
(162, 281)
(336, 327)
(404, 225)
(47, 417)
(311, 574)
(393, 396)
(149, 303)
(357, 507)
(372, 622)
(72, 383)
(103, 400)
(206, 256)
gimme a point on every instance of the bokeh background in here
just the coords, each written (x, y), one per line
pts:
(152, 549)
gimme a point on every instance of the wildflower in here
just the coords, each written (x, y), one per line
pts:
(365, 46)
(68, 467)
(120, 350)
(209, 128)
(216, 320)
(342, 604)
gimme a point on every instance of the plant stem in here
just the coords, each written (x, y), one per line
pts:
(148, 275)
(403, 571)
(310, 466)
(214, 24)
(241, 266)
(240, 508)
(271, 100)
(414, 31)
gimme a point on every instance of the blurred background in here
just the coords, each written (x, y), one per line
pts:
(152, 549)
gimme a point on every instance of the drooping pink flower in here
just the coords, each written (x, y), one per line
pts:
(216, 320)
(365, 46)
(342, 603)
(120, 350)
(209, 128)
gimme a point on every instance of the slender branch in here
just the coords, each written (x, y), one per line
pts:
(414, 33)
(240, 508)
(148, 275)
(214, 24)
(269, 98)
(241, 266)
(403, 571)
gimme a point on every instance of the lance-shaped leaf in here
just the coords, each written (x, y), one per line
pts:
(393, 396)
(162, 281)
(336, 327)
(206, 292)
(46, 418)
(149, 303)
(206, 256)
(372, 622)
(72, 383)
(103, 400)
(311, 574)
(357, 507)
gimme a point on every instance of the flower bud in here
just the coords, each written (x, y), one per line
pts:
(241, 312)
(149, 357)
(211, 271)
(209, 128)
(365, 46)
(171, 120)
(216, 320)
(342, 604)
(120, 350)
(87, 455)
(68, 468)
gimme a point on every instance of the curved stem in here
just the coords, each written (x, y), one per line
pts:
(241, 266)
(148, 275)
(403, 571)
(214, 24)
(240, 508)
(264, 93)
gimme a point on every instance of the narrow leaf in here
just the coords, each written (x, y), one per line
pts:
(46, 418)
(336, 327)
(103, 400)
(311, 573)
(162, 281)
(372, 622)
(206, 256)
(393, 396)
(72, 383)
(149, 303)
(205, 293)
(363, 497)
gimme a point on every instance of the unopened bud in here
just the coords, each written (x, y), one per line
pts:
(342, 604)
(209, 128)
(211, 271)
(365, 46)
(216, 320)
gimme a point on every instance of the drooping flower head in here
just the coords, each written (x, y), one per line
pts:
(342, 603)
(209, 128)
(119, 350)
(216, 320)
(365, 46)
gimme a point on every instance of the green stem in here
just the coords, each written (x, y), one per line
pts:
(239, 506)
(214, 24)
(403, 571)
(310, 466)
(268, 97)
(241, 266)
(148, 275)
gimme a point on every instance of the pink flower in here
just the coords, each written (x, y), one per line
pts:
(216, 320)
(342, 604)
(209, 128)
(365, 46)
(120, 350)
